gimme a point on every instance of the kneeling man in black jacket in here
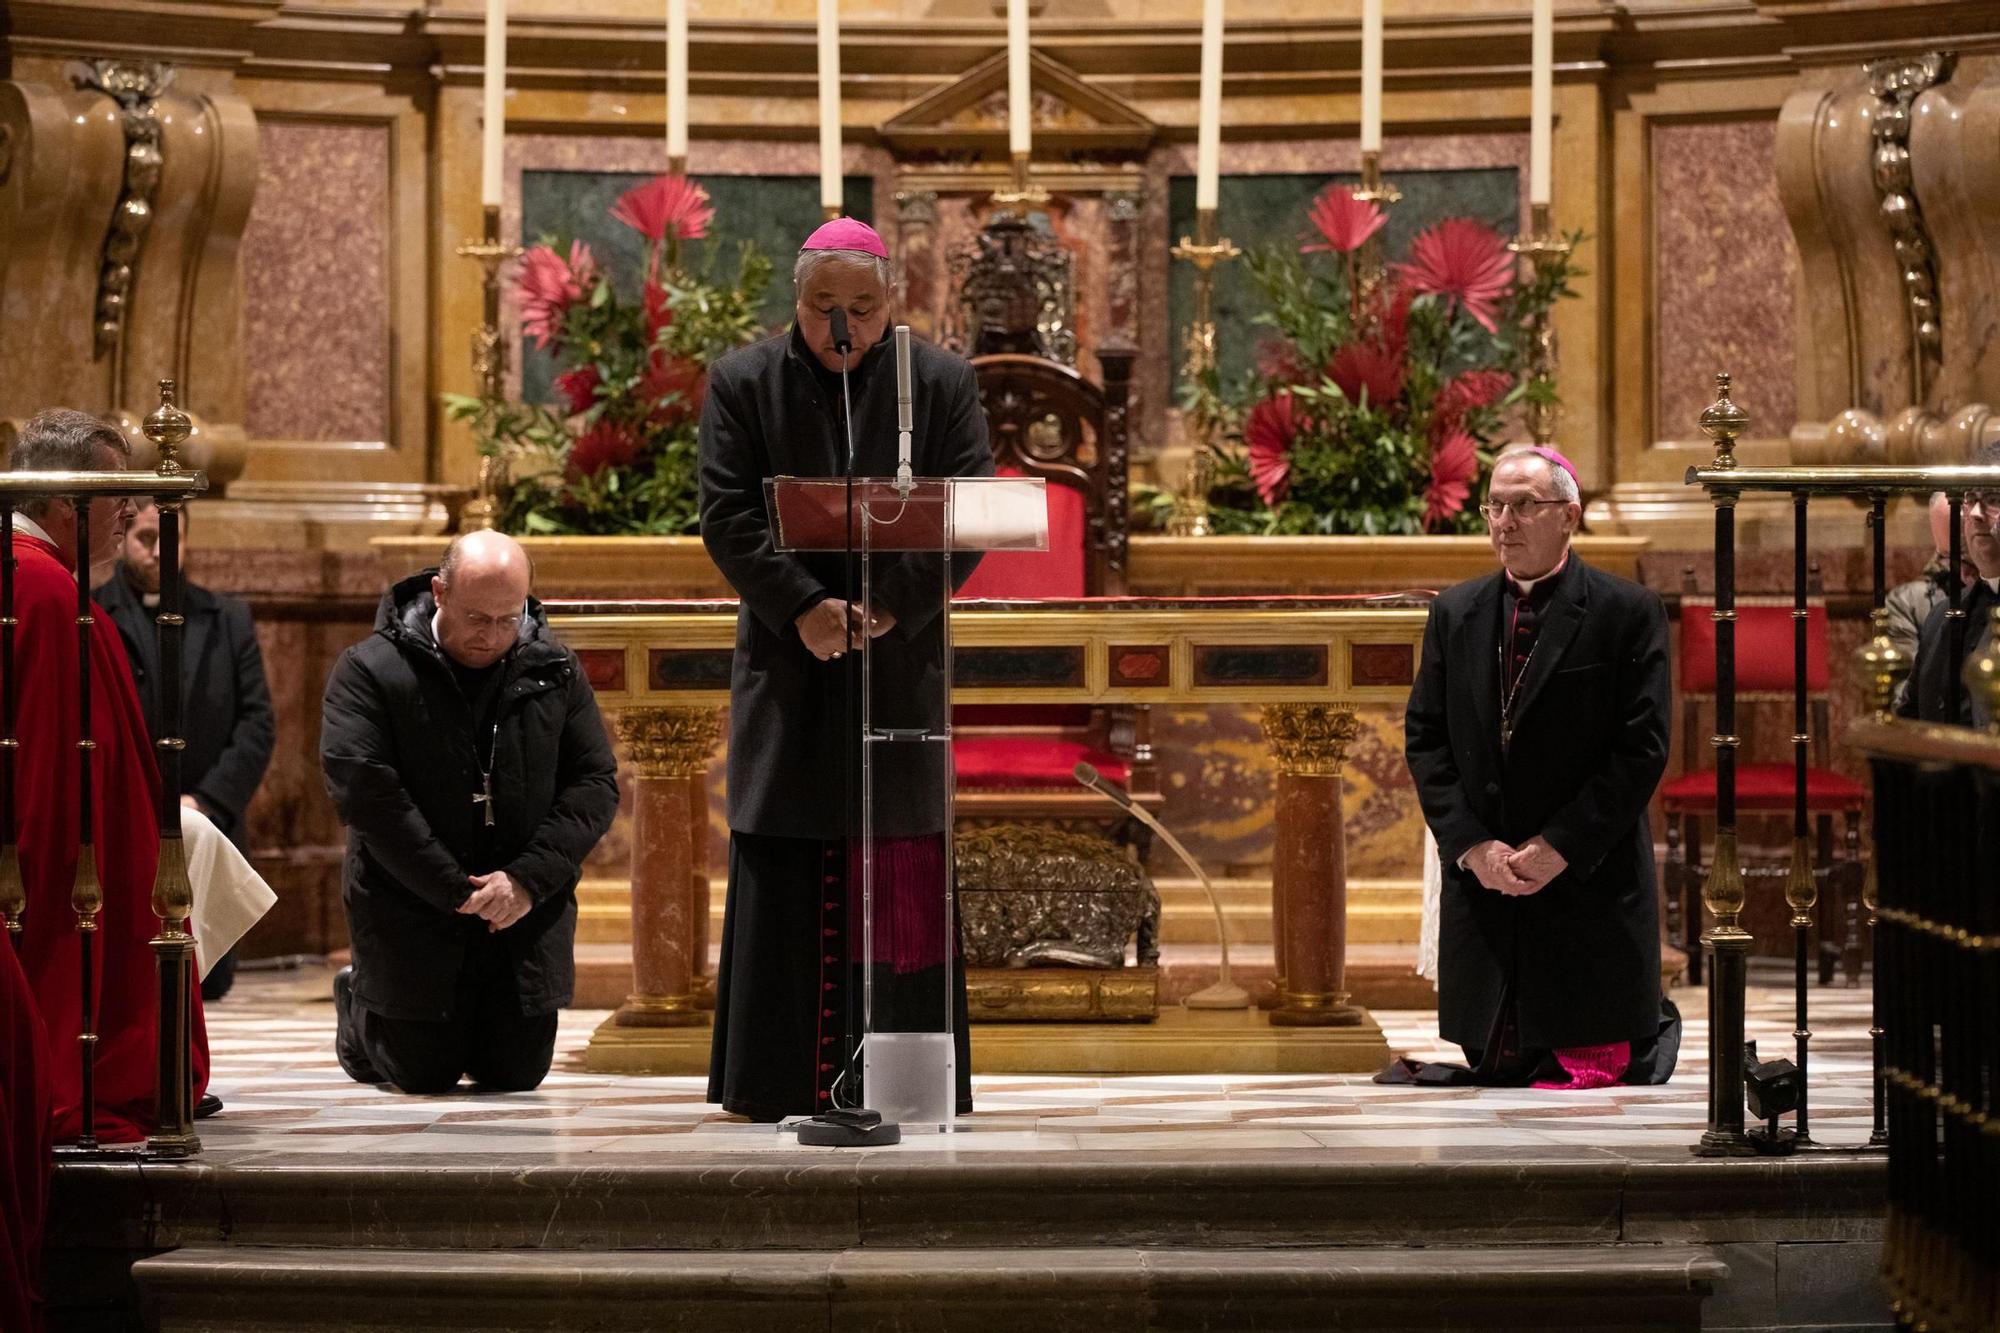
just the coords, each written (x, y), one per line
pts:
(465, 752)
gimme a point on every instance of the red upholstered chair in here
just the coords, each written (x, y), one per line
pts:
(1764, 789)
(1015, 762)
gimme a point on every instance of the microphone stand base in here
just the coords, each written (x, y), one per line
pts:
(823, 1133)
(1222, 995)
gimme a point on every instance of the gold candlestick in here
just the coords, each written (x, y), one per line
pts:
(1544, 248)
(1205, 251)
(489, 359)
(1022, 192)
(1369, 266)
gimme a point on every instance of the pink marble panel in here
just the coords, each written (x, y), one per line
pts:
(316, 250)
(1725, 270)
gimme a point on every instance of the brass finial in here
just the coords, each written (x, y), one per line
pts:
(168, 428)
(86, 891)
(1723, 421)
(1982, 675)
(1883, 666)
(13, 892)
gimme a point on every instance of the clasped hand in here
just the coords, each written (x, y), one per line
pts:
(497, 900)
(831, 625)
(1516, 871)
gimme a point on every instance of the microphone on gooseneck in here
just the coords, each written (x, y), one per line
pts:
(905, 417)
(843, 343)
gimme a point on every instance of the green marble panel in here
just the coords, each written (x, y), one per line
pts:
(774, 212)
(1262, 210)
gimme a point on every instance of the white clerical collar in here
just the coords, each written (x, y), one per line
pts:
(27, 527)
(1525, 587)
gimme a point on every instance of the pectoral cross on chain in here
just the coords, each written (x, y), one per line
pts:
(485, 796)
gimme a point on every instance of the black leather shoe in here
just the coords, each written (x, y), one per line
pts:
(209, 1105)
(346, 1042)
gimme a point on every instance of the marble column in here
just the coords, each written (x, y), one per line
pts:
(668, 749)
(1309, 868)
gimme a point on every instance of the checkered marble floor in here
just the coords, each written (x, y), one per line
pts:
(272, 1043)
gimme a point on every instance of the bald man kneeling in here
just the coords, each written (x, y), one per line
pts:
(463, 747)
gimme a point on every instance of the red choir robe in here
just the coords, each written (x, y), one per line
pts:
(24, 1145)
(126, 828)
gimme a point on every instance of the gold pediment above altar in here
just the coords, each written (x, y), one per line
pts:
(1069, 115)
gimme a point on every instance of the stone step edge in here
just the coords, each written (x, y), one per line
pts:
(1635, 1269)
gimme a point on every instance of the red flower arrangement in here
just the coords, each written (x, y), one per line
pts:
(1377, 406)
(615, 451)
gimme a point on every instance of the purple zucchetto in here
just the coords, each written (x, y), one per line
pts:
(847, 234)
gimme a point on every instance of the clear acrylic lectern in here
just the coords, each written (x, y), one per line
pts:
(903, 934)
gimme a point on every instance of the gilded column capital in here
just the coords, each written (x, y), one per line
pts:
(1309, 740)
(667, 742)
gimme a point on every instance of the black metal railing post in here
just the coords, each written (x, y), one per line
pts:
(1801, 893)
(1726, 943)
(87, 890)
(173, 897)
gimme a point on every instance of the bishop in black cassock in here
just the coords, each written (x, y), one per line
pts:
(786, 990)
(1537, 730)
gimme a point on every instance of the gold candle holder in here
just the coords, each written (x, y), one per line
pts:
(1370, 268)
(1543, 247)
(1204, 252)
(1021, 192)
(489, 358)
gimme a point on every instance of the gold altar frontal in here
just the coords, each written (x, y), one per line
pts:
(1179, 1041)
(662, 669)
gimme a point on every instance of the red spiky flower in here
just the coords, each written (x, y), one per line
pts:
(1345, 221)
(548, 285)
(1463, 261)
(1365, 368)
(1454, 467)
(666, 208)
(607, 444)
(1465, 392)
(1269, 432)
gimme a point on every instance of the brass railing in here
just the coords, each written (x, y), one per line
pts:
(1937, 964)
(169, 486)
(1726, 944)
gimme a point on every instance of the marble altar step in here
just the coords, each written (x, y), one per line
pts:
(1614, 1289)
(1379, 975)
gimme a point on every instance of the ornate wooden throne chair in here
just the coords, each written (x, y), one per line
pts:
(1019, 803)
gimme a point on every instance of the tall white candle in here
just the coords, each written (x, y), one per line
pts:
(1208, 133)
(1541, 101)
(1018, 93)
(677, 79)
(495, 103)
(1371, 76)
(829, 105)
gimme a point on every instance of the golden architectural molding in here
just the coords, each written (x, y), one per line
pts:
(1309, 740)
(667, 742)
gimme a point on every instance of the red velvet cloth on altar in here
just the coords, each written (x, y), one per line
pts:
(24, 1145)
(999, 763)
(1764, 787)
(126, 819)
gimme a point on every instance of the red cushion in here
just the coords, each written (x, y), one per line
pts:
(1763, 646)
(1007, 762)
(1056, 572)
(1765, 787)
